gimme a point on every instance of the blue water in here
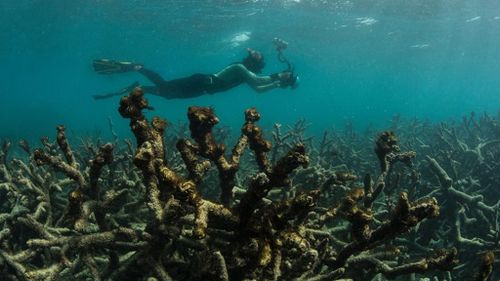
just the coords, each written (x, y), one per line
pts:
(358, 61)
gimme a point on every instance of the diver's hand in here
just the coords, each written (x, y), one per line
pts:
(287, 79)
(284, 79)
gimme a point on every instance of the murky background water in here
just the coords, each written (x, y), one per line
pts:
(359, 61)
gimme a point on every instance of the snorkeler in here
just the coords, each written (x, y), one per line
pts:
(199, 84)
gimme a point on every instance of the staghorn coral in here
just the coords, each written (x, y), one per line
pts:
(263, 228)
(469, 216)
(107, 212)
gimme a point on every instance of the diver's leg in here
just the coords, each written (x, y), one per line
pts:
(152, 76)
(182, 88)
(123, 91)
(187, 87)
(151, 90)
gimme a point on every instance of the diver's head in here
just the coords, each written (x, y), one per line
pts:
(254, 61)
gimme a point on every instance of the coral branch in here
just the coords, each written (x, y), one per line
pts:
(263, 183)
(405, 216)
(64, 145)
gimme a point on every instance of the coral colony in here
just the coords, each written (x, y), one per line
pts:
(291, 209)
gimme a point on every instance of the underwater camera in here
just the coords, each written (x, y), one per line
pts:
(280, 43)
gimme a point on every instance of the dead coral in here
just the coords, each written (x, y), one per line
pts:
(264, 229)
(105, 219)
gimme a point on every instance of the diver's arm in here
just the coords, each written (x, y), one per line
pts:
(265, 88)
(238, 70)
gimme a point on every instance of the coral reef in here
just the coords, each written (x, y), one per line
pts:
(291, 209)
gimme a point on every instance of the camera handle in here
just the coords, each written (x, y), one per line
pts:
(281, 45)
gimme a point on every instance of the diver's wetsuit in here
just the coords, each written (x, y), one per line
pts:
(189, 87)
(233, 75)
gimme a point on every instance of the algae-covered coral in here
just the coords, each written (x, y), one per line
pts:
(343, 208)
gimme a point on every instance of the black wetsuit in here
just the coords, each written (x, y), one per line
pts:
(188, 87)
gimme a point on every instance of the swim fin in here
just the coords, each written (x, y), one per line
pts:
(121, 92)
(107, 66)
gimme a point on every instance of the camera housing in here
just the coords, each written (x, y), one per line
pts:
(280, 44)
